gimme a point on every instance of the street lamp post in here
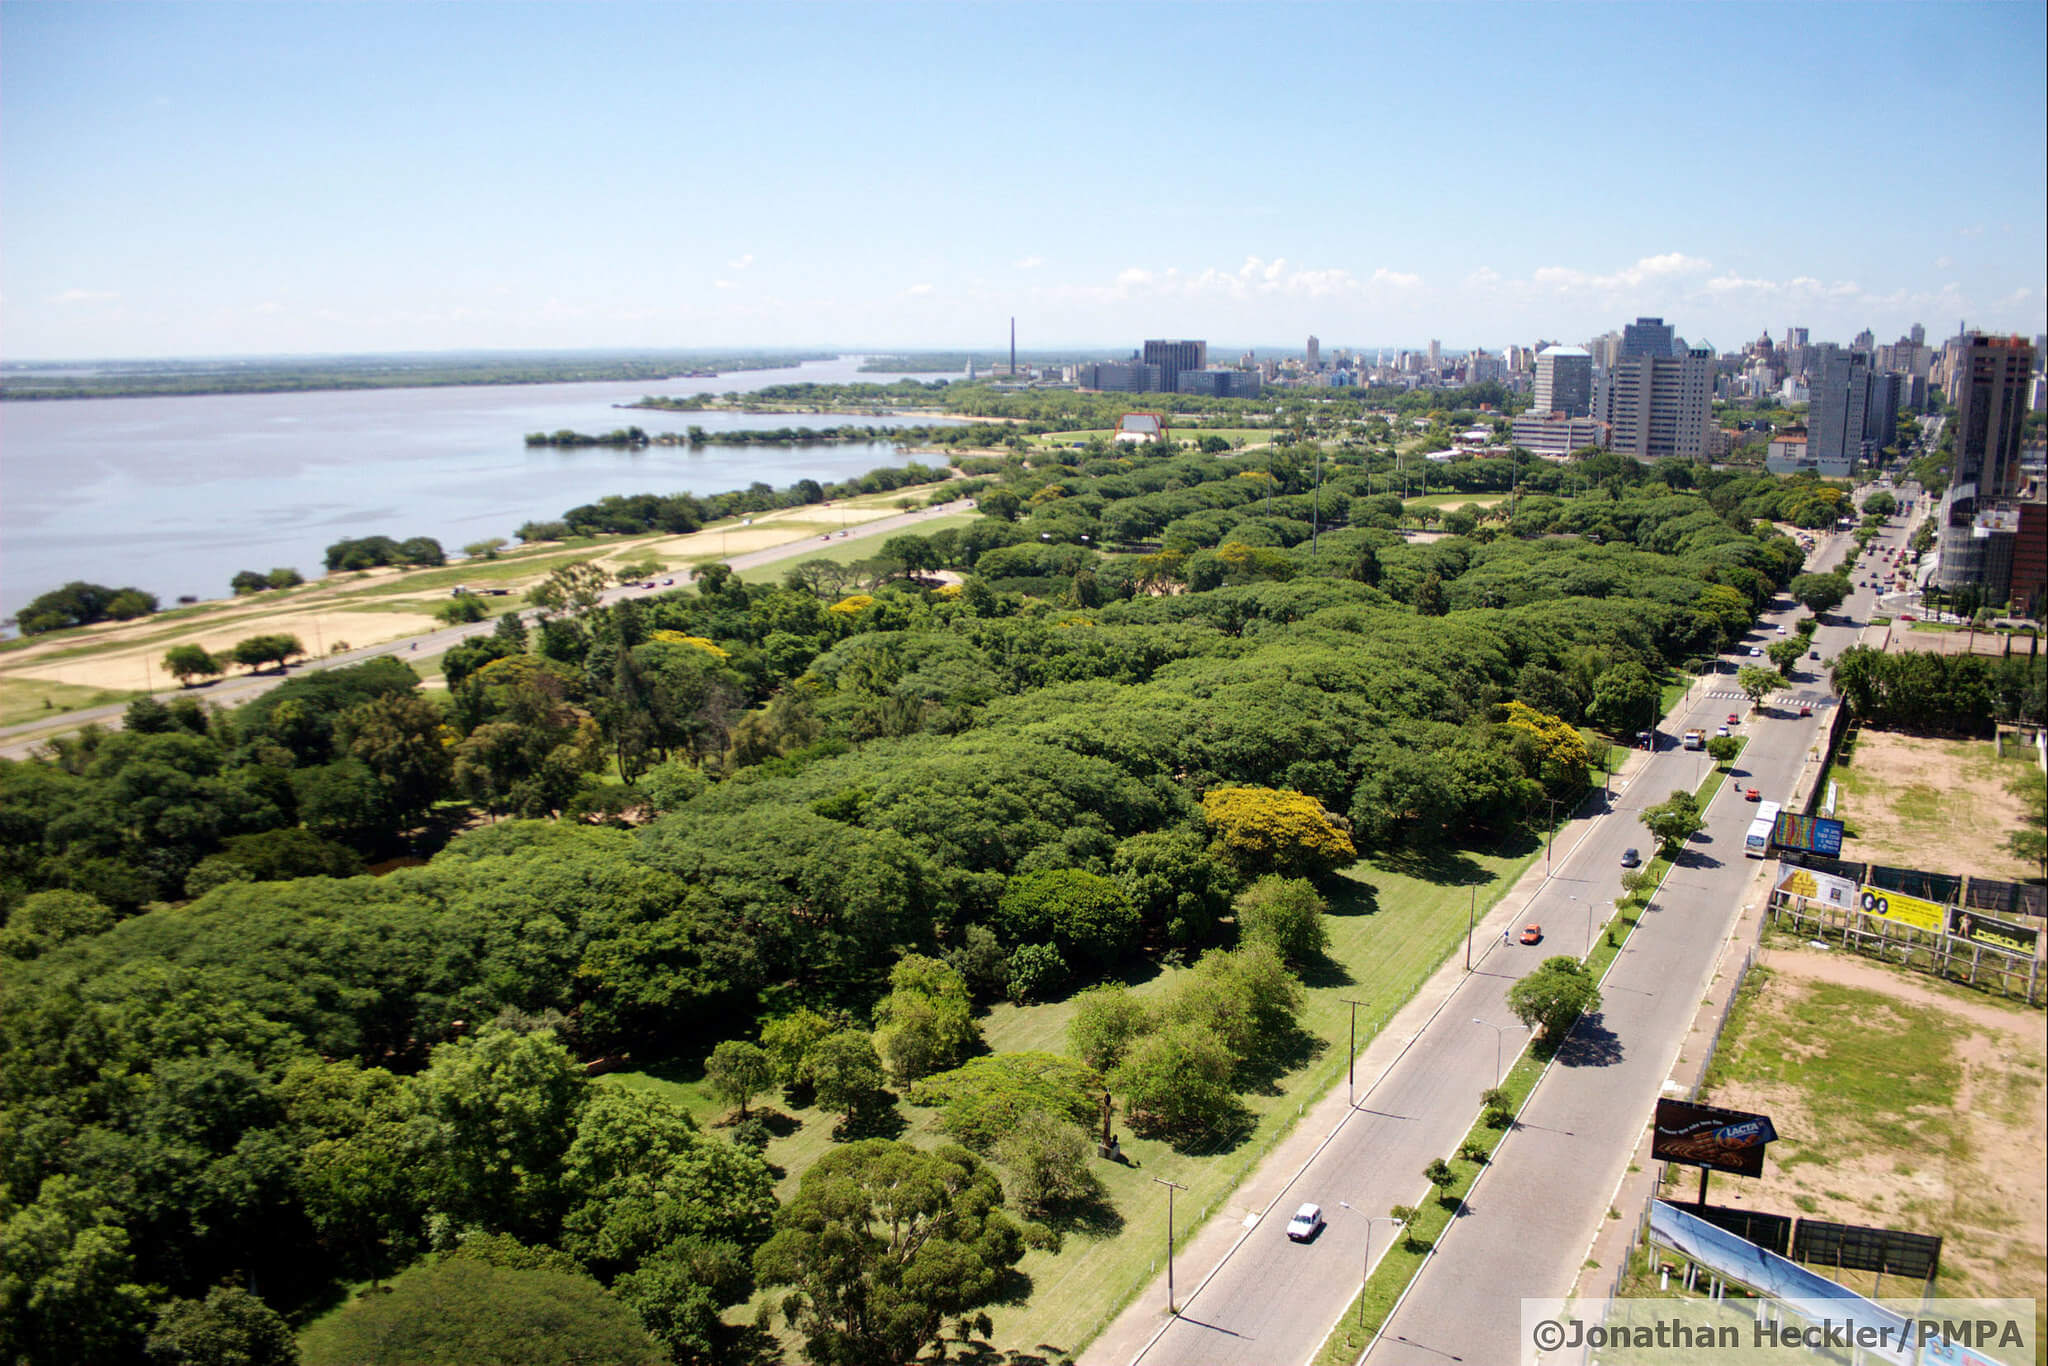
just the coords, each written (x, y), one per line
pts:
(1365, 1270)
(1171, 1187)
(1498, 1030)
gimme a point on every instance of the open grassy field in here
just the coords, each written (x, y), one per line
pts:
(28, 699)
(1942, 805)
(1392, 924)
(1900, 1101)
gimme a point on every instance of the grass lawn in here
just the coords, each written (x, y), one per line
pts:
(29, 699)
(1391, 923)
(1448, 501)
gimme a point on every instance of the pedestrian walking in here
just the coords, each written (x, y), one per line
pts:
(1503, 936)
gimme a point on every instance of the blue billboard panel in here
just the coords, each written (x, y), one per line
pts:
(1812, 833)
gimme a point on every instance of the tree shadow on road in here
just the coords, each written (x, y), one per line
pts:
(1592, 1044)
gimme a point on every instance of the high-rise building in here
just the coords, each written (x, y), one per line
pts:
(1646, 337)
(1315, 353)
(1841, 401)
(1866, 341)
(1658, 405)
(1881, 417)
(1918, 335)
(1991, 400)
(1606, 349)
(1564, 381)
(1978, 519)
(1220, 383)
(1172, 357)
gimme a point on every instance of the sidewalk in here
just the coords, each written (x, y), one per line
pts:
(1209, 1246)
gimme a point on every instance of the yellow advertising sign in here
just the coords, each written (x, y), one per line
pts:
(1804, 882)
(1907, 910)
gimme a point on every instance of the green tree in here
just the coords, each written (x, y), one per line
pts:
(488, 1121)
(737, 1071)
(1625, 698)
(984, 1099)
(230, 1327)
(1552, 997)
(403, 738)
(1106, 1021)
(1046, 1157)
(460, 1311)
(1174, 883)
(1723, 748)
(1430, 598)
(883, 1244)
(1783, 654)
(1177, 1083)
(1757, 684)
(789, 1040)
(572, 588)
(1000, 504)
(67, 1278)
(187, 662)
(846, 1072)
(926, 1022)
(1287, 915)
(1086, 916)
(1439, 1174)
(1674, 820)
(256, 651)
(1820, 594)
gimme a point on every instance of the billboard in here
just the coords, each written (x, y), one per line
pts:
(1823, 887)
(1903, 909)
(1993, 933)
(1702, 1136)
(1812, 833)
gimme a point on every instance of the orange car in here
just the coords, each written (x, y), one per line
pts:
(1752, 795)
(1532, 934)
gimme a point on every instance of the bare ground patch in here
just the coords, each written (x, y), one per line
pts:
(1903, 1103)
(1942, 805)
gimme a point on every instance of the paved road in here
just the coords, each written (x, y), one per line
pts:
(20, 741)
(1586, 1116)
(1526, 1229)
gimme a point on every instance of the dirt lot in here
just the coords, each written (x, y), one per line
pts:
(1900, 1102)
(1905, 636)
(1942, 805)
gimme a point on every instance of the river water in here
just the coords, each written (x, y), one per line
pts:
(174, 495)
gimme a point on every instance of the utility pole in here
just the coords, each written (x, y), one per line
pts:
(1351, 1065)
(1171, 1187)
(1471, 915)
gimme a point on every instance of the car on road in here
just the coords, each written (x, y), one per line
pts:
(1306, 1223)
(1907, 616)
(1754, 652)
(1647, 739)
(1723, 730)
(1631, 859)
(1752, 795)
(1733, 719)
(1806, 709)
(1532, 934)
(666, 582)
(1781, 630)
(1813, 654)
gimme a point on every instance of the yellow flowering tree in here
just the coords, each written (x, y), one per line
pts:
(1276, 830)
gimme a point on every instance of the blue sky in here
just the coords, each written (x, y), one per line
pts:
(193, 179)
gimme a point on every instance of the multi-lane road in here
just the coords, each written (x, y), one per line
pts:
(1526, 1228)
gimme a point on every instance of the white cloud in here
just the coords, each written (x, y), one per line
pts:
(920, 291)
(1943, 262)
(87, 296)
(1975, 230)
(268, 306)
(723, 284)
(1486, 277)
(1667, 265)
(1030, 263)
(1397, 279)
(740, 263)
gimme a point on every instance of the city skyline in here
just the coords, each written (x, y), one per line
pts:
(217, 180)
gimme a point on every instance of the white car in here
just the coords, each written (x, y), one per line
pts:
(1306, 1223)
(1781, 630)
(1755, 653)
